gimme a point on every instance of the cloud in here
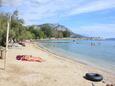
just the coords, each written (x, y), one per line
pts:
(41, 11)
(13, 3)
(33, 10)
(45, 9)
(102, 30)
(95, 5)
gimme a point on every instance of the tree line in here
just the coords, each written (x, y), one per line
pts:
(19, 32)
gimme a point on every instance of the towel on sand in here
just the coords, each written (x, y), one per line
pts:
(29, 58)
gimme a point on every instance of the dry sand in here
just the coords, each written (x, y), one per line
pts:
(55, 71)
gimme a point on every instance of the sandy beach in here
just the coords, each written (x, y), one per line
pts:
(55, 71)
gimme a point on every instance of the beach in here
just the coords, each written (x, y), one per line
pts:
(54, 71)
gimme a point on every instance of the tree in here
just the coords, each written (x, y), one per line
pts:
(20, 32)
(60, 34)
(66, 33)
(41, 34)
(47, 30)
(26, 35)
(3, 26)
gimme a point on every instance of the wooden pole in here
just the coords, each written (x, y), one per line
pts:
(7, 34)
(7, 41)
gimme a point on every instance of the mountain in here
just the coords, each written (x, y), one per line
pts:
(75, 35)
(59, 27)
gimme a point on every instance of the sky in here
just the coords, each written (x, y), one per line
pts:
(94, 18)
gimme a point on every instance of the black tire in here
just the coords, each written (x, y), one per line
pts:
(94, 77)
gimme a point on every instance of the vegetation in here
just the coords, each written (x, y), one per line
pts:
(3, 24)
(19, 32)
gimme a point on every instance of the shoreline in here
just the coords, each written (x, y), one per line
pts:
(72, 59)
(59, 56)
(55, 71)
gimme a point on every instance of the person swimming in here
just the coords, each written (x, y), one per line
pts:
(73, 40)
(92, 44)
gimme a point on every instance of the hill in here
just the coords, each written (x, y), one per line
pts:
(59, 28)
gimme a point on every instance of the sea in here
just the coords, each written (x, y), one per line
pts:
(99, 54)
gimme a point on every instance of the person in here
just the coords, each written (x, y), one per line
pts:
(92, 44)
(73, 40)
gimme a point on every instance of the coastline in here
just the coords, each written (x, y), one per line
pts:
(73, 59)
(59, 56)
(55, 71)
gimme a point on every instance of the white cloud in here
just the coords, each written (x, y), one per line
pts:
(56, 9)
(95, 5)
(46, 9)
(13, 3)
(36, 11)
(103, 30)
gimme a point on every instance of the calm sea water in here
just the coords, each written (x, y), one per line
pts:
(96, 53)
